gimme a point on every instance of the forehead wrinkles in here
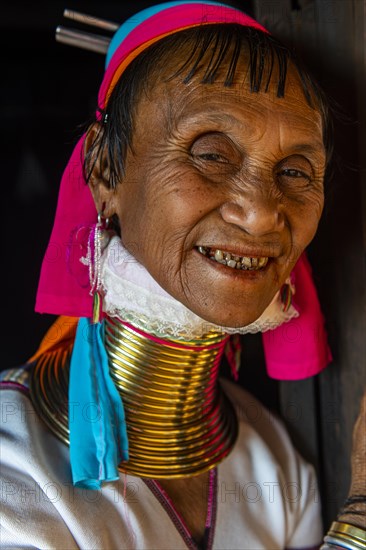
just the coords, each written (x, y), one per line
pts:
(199, 104)
(240, 109)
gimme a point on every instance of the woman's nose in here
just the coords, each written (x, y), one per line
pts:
(257, 216)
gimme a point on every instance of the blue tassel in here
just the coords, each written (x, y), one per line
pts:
(98, 436)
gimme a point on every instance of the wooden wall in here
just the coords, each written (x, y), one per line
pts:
(330, 34)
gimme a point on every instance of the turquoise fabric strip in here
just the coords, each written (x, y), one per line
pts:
(98, 436)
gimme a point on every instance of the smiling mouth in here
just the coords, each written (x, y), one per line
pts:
(246, 263)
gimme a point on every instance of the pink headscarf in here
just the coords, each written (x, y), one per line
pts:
(64, 281)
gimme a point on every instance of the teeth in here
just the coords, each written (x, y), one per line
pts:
(232, 260)
(218, 255)
(246, 262)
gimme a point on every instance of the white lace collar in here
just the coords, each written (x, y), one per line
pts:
(132, 295)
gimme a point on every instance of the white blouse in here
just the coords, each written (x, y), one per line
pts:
(265, 494)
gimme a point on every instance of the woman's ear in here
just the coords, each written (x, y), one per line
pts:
(97, 171)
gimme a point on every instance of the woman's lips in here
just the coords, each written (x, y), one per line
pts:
(234, 261)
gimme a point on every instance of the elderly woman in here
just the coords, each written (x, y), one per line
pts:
(205, 170)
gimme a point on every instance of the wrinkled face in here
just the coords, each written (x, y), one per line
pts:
(222, 193)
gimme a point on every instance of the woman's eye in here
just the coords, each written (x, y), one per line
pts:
(293, 173)
(212, 157)
(214, 151)
(296, 174)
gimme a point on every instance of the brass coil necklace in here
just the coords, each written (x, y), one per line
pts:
(179, 421)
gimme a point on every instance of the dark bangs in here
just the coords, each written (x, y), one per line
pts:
(213, 51)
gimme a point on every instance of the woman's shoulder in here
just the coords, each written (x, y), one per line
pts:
(35, 475)
(263, 433)
(266, 475)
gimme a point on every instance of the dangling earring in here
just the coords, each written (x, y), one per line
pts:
(286, 294)
(98, 238)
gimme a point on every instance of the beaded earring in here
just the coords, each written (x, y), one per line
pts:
(98, 239)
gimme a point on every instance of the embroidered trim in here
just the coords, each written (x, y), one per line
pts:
(177, 520)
